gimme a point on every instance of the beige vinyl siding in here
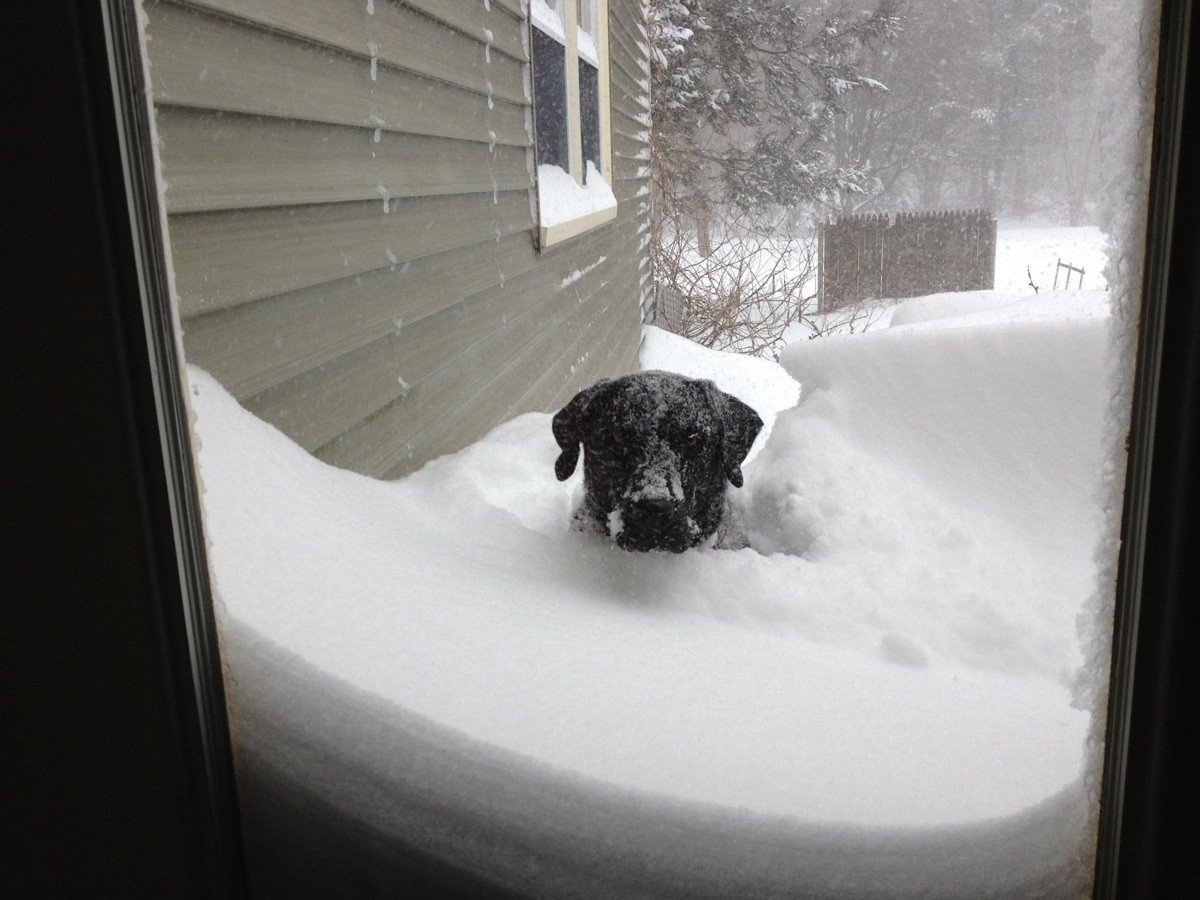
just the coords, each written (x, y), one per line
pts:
(349, 206)
(630, 77)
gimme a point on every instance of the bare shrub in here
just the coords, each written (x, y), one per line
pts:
(753, 281)
(851, 319)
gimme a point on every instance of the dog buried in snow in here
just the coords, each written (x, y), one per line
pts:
(659, 451)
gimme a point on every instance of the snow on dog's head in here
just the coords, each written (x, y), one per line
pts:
(659, 450)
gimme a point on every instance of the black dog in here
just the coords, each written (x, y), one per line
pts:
(658, 450)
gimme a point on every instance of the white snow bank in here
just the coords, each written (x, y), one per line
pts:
(1000, 411)
(502, 624)
(561, 199)
(893, 660)
(974, 308)
(941, 482)
(711, 676)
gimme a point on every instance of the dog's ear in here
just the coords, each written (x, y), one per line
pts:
(740, 426)
(569, 425)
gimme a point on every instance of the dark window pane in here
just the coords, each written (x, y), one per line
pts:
(550, 101)
(589, 112)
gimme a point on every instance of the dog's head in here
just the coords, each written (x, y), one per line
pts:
(658, 449)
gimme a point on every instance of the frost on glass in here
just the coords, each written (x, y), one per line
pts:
(1125, 81)
(898, 689)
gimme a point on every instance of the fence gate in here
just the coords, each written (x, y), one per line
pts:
(879, 256)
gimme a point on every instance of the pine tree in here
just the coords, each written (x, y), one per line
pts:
(746, 94)
(988, 105)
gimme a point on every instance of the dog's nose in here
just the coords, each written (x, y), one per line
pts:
(659, 505)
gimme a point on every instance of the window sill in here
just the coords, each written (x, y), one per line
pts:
(567, 209)
(562, 231)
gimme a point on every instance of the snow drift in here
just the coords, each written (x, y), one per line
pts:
(873, 701)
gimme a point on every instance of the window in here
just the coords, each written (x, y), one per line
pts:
(569, 49)
(352, 853)
(590, 102)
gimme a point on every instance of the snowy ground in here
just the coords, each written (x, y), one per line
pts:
(896, 651)
(1040, 248)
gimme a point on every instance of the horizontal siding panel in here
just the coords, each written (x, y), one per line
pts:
(512, 6)
(625, 56)
(610, 354)
(634, 11)
(607, 300)
(630, 119)
(626, 87)
(226, 258)
(628, 77)
(633, 183)
(222, 161)
(476, 19)
(628, 109)
(633, 190)
(320, 405)
(628, 21)
(630, 147)
(627, 167)
(635, 140)
(628, 31)
(203, 61)
(527, 345)
(590, 356)
(401, 37)
(630, 122)
(624, 103)
(473, 419)
(260, 345)
(348, 198)
(631, 63)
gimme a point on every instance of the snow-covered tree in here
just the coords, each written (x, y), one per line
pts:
(745, 95)
(988, 105)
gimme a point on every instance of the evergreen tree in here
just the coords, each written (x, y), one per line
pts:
(988, 105)
(746, 94)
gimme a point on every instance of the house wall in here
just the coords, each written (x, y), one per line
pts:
(351, 219)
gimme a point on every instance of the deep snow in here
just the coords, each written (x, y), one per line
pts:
(897, 654)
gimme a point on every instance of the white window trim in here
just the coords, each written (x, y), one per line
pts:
(561, 231)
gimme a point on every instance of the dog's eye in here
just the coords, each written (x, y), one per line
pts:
(693, 440)
(618, 438)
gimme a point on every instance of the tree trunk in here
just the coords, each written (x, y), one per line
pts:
(703, 238)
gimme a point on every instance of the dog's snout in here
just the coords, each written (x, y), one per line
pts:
(659, 505)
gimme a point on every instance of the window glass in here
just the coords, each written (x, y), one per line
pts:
(550, 89)
(661, 449)
(589, 113)
(589, 83)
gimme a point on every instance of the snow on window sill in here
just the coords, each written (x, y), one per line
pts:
(548, 19)
(587, 48)
(567, 209)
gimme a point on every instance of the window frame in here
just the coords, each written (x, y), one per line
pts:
(549, 235)
(164, 622)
